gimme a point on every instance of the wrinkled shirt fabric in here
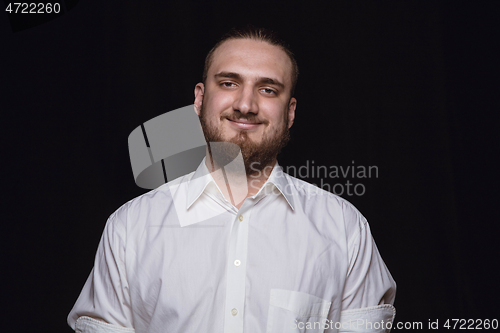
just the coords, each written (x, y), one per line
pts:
(182, 258)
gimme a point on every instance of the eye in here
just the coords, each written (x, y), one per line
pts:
(268, 91)
(228, 84)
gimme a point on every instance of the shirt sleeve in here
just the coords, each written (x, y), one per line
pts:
(104, 302)
(370, 290)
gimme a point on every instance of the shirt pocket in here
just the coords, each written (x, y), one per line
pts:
(293, 311)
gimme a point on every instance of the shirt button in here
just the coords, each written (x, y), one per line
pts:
(240, 218)
(237, 263)
(234, 312)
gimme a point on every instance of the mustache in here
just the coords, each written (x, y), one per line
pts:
(249, 118)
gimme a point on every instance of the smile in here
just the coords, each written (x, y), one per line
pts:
(243, 124)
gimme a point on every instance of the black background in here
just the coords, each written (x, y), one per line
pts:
(408, 86)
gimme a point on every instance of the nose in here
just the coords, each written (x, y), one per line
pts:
(246, 101)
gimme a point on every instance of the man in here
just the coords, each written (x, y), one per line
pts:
(237, 245)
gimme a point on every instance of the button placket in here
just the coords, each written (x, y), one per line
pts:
(236, 273)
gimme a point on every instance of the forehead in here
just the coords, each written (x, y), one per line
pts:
(252, 58)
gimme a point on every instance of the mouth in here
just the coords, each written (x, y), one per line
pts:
(243, 124)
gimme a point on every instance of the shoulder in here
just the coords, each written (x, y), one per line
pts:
(313, 199)
(152, 203)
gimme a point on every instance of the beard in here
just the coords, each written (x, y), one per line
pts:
(256, 155)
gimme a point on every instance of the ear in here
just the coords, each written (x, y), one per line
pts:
(291, 111)
(199, 90)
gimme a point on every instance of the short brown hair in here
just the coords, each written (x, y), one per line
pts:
(260, 34)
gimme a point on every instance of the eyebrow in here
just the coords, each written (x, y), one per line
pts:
(236, 76)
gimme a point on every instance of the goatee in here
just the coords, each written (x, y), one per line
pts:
(256, 156)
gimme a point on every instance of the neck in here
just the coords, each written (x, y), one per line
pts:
(233, 181)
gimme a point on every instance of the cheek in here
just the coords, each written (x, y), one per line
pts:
(216, 107)
(275, 112)
(220, 101)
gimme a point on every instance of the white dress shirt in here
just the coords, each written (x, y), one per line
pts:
(181, 258)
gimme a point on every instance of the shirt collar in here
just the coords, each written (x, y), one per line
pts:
(203, 181)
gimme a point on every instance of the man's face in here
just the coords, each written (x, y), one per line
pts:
(246, 100)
